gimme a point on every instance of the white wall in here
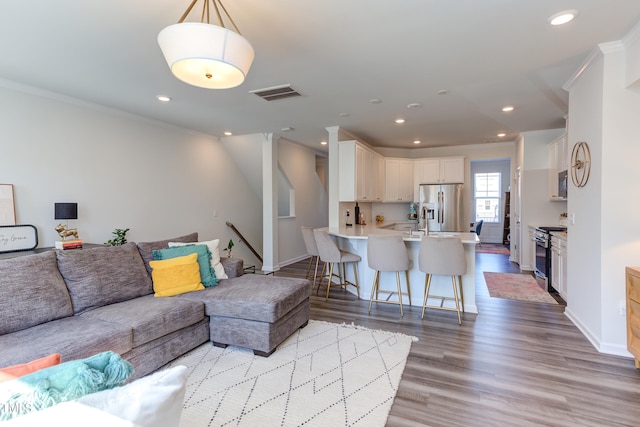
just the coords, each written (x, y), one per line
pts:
(123, 171)
(606, 235)
(584, 268)
(535, 207)
(311, 200)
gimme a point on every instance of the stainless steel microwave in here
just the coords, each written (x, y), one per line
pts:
(563, 183)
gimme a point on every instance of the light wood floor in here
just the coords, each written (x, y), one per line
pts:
(513, 364)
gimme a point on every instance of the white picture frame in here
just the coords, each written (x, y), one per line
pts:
(7, 205)
(14, 238)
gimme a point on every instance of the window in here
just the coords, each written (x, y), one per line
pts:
(487, 196)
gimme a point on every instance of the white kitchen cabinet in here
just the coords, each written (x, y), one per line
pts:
(405, 226)
(398, 180)
(356, 169)
(558, 162)
(443, 170)
(378, 177)
(559, 264)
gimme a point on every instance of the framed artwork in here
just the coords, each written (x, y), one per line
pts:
(7, 205)
(15, 238)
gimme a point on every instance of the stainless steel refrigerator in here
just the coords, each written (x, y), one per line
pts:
(440, 207)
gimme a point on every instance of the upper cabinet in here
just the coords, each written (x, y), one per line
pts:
(398, 180)
(445, 170)
(358, 168)
(442, 170)
(558, 162)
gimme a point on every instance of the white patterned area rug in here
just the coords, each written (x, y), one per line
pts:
(325, 374)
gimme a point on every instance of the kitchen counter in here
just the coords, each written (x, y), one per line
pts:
(362, 231)
(355, 238)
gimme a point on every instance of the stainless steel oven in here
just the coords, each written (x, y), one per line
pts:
(542, 238)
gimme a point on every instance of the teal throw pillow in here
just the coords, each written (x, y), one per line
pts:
(62, 383)
(207, 274)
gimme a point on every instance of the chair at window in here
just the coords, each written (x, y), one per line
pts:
(479, 228)
(388, 253)
(332, 255)
(312, 249)
(443, 256)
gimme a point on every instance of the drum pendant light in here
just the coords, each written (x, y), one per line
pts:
(206, 55)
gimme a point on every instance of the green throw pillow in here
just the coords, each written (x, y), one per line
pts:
(207, 274)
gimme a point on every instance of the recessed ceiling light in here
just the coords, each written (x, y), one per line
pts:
(287, 129)
(508, 108)
(343, 114)
(563, 17)
(416, 142)
(502, 135)
(323, 142)
(443, 92)
(163, 98)
(227, 133)
(414, 105)
(399, 121)
(376, 101)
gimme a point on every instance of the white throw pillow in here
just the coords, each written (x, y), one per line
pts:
(215, 255)
(152, 401)
(68, 414)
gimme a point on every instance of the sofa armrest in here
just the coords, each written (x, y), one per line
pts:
(234, 267)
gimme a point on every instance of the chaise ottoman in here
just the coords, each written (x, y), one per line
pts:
(255, 311)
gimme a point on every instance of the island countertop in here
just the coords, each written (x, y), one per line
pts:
(363, 231)
(354, 239)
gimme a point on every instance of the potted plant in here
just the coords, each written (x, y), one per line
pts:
(229, 247)
(120, 237)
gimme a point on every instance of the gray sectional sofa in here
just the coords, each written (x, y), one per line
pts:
(81, 302)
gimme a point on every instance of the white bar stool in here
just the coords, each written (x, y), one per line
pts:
(332, 255)
(388, 253)
(443, 256)
(312, 249)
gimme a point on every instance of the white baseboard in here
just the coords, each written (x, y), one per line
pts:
(293, 260)
(606, 348)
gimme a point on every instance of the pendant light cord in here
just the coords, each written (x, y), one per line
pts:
(205, 11)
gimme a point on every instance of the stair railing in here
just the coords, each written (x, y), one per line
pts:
(242, 239)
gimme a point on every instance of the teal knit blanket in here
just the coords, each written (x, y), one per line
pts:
(61, 383)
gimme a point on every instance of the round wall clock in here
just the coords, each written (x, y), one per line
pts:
(580, 164)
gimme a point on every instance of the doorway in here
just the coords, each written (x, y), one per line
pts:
(489, 185)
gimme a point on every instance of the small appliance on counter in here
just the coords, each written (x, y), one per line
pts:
(563, 184)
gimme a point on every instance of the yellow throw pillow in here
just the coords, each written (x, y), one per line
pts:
(176, 275)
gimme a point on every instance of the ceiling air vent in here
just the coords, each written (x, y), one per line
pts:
(276, 92)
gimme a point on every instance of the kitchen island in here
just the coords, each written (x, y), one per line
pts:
(355, 238)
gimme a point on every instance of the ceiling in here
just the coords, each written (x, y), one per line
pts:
(339, 54)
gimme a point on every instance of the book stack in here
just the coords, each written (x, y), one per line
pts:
(69, 244)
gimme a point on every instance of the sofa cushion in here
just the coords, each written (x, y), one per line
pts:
(253, 297)
(73, 337)
(153, 401)
(176, 276)
(105, 275)
(146, 248)
(150, 317)
(214, 248)
(207, 275)
(31, 292)
(17, 371)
